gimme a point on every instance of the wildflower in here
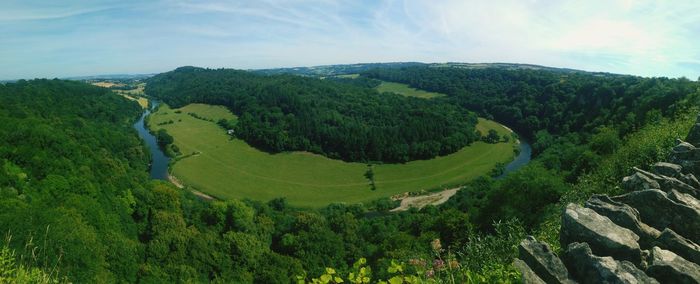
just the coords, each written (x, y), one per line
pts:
(454, 264)
(436, 245)
(430, 273)
(438, 264)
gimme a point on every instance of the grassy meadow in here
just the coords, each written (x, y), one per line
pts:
(405, 90)
(225, 167)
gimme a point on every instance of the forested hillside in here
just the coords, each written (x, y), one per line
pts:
(545, 103)
(76, 201)
(345, 121)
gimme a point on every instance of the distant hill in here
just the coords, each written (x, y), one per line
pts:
(110, 77)
(338, 69)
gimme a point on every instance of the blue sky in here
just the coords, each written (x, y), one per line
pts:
(88, 37)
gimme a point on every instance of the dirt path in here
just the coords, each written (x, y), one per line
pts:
(200, 194)
(424, 200)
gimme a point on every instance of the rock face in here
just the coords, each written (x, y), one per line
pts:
(624, 216)
(660, 212)
(604, 237)
(668, 267)
(648, 235)
(588, 268)
(669, 240)
(542, 260)
(529, 276)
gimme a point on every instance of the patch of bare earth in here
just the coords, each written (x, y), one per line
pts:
(421, 201)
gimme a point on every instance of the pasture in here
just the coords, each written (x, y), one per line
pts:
(225, 167)
(405, 90)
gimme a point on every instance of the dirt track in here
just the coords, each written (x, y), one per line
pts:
(424, 200)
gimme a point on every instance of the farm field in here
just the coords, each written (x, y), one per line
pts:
(405, 90)
(225, 167)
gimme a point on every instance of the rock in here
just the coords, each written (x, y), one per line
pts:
(690, 179)
(668, 267)
(668, 183)
(604, 237)
(694, 134)
(588, 268)
(684, 198)
(660, 212)
(638, 181)
(540, 258)
(682, 147)
(687, 156)
(667, 169)
(529, 276)
(625, 216)
(669, 240)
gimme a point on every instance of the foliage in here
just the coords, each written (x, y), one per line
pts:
(289, 113)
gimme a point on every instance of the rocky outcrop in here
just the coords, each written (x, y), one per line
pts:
(668, 267)
(669, 240)
(648, 235)
(542, 260)
(625, 216)
(589, 268)
(602, 235)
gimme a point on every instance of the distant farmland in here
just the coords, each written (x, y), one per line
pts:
(405, 90)
(225, 167)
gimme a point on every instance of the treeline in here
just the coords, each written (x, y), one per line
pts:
(540, 104)
(76, 200)
(339, 120)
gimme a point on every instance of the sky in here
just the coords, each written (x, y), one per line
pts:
(61, 38)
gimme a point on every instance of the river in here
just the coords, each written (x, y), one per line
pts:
(159, 161)
(522, 159)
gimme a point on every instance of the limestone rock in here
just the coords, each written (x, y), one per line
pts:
(684, 198)
(691, 180)
(542, 260)
(667, 183)
(639, 181)
(604, 237)
(668, 267)
(625, 216)
(669, 240)
(667, 169)
(588, 268)
(529, 276)
(660, 212)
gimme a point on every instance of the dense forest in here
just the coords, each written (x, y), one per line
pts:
(545, 103)
(76, 200)
(346, 121)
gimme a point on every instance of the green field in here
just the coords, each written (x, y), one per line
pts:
(405, 90)
(229, 168)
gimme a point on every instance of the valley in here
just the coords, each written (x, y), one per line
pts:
(225, 167)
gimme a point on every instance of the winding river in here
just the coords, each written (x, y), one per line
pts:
(159, 161)
(523, 158)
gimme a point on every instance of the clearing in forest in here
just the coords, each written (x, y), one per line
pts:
(225, 167)
(406, 90)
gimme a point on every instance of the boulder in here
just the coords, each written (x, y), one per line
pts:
(660, 212)
(639, 181)
(691, 180)
(669, 240)
(668, 267)
(588, 268)
(542, 260)
(529, 276)
(667, 169)
(604, 237)
(625, 216)
(684, 198)
(668, 183)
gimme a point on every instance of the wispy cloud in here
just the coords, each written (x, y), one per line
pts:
(75, 37)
